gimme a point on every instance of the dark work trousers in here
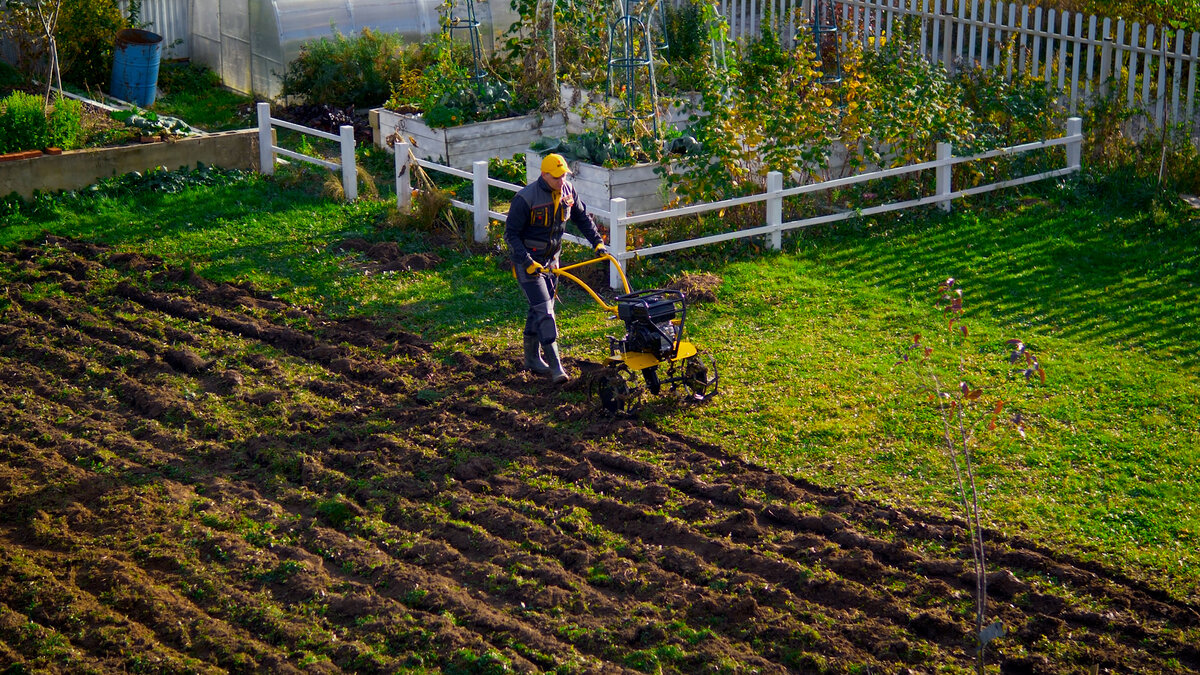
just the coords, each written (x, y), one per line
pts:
(539, 290)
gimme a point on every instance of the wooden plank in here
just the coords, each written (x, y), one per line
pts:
(1108, 53)
(948, 37)
(971, 40)
(1146, 64)
(1076, 66)
(1063, 47)
(1191, 89)
(882, 16)
(935, 47)
(1133, 59)
(1023, 38)
(1160, 88)
(998, 36)
(986, 43)
(1176, 76)
(862, 21)
(1036, 55)
(960, 34)
(1013, 44)
(924, 27)
(1051, 22)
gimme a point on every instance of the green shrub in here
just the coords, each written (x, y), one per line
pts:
(1008, 112)
(23, 123)
(65, 123)
(341, 71)
(86, 37)
(687, 43)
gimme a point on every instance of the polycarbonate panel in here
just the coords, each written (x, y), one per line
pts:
(206, 19)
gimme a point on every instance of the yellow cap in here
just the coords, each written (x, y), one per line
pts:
(555, 165)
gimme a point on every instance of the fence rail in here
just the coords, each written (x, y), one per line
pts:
(268, 150)
(619, 223)
(1086, 57)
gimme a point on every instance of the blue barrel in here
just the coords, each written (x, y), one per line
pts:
(135, 66)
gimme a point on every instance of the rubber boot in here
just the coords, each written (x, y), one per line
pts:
(556, 372)
(533, 358)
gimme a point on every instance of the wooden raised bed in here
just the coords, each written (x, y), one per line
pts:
(642, 188)
(75, 169)
(462, 146)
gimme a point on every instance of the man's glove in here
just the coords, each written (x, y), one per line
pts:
(536, 267)
(601, 249)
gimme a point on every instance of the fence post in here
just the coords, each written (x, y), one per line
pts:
(1106, 59)
(533, 166)
(944, 171)
(1075, 147)
(775, 208)
(616, 240)
(266, 154)
(403, 177)
(349, 172)
(948, 39)
(479, 207)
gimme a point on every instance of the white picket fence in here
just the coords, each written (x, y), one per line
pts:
(1085, 56)
(619, 222)
(268, 150)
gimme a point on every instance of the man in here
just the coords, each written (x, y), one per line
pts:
(533, 231)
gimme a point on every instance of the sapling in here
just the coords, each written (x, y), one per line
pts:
(965, 414)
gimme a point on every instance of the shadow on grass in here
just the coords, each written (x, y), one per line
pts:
(1098, 270)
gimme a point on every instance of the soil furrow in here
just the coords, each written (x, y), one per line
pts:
(205, 476)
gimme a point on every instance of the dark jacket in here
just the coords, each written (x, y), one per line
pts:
(534, 228)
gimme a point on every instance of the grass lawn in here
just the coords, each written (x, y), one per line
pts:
(1099, 277)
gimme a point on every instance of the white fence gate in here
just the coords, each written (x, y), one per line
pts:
(1087, 57)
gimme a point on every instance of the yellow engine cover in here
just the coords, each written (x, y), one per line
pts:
(642, 360)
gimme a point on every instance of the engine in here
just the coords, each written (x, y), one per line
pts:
(650, 321)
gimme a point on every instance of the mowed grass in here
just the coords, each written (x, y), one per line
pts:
(1099, 277)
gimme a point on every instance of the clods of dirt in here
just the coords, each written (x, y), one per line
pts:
(697, 288)
(386, 256)
(339, 496)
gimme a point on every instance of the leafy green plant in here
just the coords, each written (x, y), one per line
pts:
(687, 44)
(579, 39)
(447, 92)
(1183, 14)
(764, 111)
(64, 123)
(463, 102)
(910, 105)
(358, 71)
(151, 123)
(961, 409)
(23, 124)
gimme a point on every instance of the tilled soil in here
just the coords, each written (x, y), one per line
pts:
(198, 477)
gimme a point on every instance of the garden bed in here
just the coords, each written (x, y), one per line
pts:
(464, 145)
(642, 186)
(154, 484)
(75, 169)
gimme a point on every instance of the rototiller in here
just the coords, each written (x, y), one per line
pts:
(654, 330)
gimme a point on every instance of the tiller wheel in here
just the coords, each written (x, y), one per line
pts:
(653, 345)
(617, 389)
